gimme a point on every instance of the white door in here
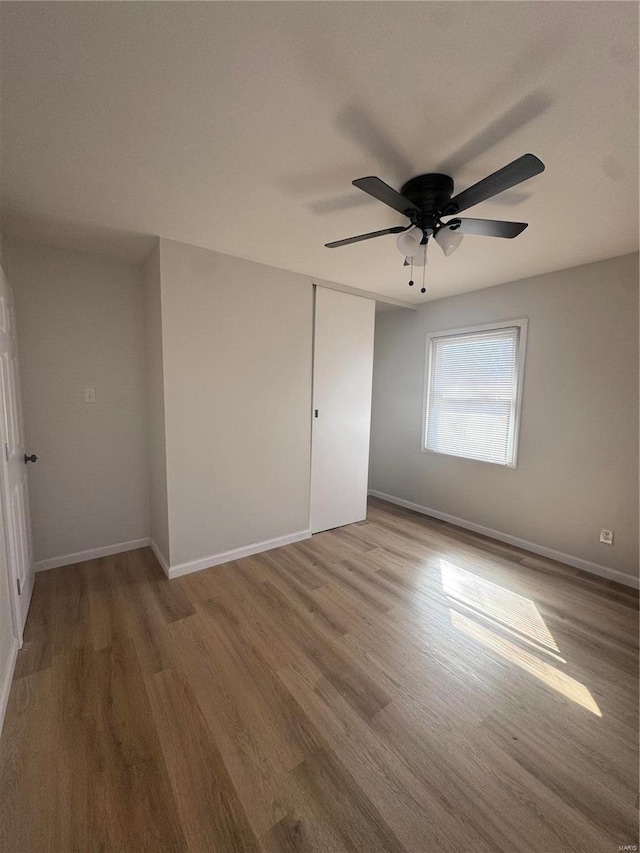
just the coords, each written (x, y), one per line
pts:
(15, 496)
(342, 374)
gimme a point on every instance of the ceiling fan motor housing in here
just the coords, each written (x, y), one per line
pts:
(431, 193)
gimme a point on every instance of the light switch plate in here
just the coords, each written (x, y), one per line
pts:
(89, 395)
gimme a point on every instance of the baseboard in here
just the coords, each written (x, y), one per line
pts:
(179, 569)
(7, 681)
(160, 557)
(550, 553)
(93, 554)
(235, 554)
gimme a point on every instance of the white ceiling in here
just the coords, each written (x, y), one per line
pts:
(240, 126)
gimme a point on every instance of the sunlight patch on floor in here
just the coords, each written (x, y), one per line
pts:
(550, 675)
(512, 632)
(513, 615)
(500, 604)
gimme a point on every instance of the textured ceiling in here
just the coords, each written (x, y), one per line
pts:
(239, 127)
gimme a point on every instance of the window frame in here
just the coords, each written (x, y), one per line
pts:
(522, 324)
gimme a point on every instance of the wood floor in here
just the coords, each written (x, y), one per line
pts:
(396, 685)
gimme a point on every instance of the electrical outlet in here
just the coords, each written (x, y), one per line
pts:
(606, 536)
(89, 395)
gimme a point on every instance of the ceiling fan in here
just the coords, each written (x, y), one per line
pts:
(425, 199)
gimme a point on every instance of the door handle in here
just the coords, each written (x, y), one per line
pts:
(32, 458)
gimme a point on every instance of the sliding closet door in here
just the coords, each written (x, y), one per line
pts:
(342, 371)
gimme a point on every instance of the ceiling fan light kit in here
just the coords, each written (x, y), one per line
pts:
(425, 199)
(449, 238)
(409, 242)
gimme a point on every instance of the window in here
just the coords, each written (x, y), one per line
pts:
(473, 391)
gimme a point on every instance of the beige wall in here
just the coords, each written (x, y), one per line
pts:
(237, 339)
(80, 324)
(216, 350)
(578, 458)
(156, 443)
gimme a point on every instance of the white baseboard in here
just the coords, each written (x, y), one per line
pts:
(235, 554)
(179, 569)
(93, 554)
(7, 680)
(160, 557)
(569, 559)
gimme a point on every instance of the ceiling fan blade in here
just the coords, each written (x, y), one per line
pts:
(522, 169)
(489, 227)
(384, 193)
(395, 230)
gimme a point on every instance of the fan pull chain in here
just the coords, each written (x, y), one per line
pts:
(411, 273)
(424, 268)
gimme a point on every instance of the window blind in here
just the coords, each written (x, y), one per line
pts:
(472, 395)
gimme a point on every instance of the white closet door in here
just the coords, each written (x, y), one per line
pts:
(342, 374)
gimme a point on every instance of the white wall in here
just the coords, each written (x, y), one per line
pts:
(237, 340)
(578, 458)
(156, 442)
(80, 324)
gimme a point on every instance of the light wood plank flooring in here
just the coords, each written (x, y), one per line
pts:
(396, 685)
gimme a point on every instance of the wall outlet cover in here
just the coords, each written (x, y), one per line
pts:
(606, 536)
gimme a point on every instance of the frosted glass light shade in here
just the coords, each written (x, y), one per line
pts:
(409, 242)
(448, 240)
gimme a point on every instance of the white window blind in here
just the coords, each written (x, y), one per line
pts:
(472, 393)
